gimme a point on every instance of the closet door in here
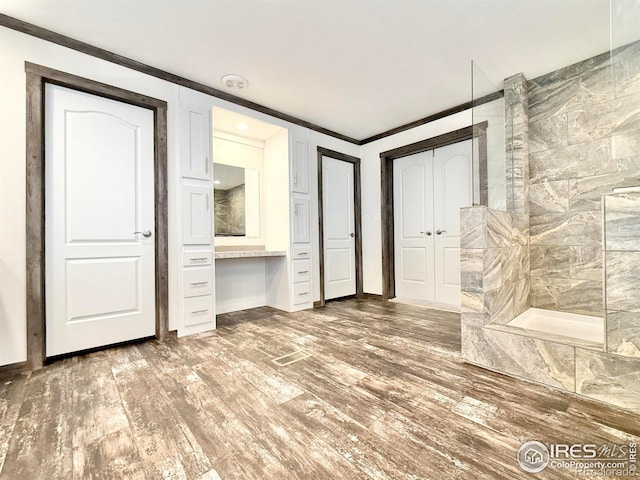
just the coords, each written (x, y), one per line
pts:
(413, 226)
(452, 190)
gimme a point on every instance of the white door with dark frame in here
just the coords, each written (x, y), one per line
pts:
(338, 210)
(99, 221)
(429, 190)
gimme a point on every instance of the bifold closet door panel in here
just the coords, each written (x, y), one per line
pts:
(452, 188)
(413, 226)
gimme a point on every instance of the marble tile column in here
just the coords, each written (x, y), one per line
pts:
(494, 266)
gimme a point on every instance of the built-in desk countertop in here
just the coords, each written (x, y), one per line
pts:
(249, 254)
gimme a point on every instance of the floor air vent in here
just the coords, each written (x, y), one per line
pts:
(290, 358)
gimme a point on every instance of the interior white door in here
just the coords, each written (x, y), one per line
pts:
(99, 191)
(413, 226)
(338, 223)
(452, 187)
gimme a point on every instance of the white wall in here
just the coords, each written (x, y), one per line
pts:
(371, 188)
(240, 284)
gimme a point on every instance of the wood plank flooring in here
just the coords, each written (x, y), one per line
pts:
(384, 395)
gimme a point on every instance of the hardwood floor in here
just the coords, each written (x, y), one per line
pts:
(383, 395)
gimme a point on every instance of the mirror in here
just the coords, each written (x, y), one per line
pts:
(236, 194)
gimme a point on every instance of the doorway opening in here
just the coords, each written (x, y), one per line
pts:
(37, 78)
(387, 159)
(340, 225)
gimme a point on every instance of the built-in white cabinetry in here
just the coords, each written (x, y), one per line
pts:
(282, 281)
(300, 213)
(300, 222)
(301, 270)
(198, 281)
(195, 146)
(197, 258)
(300, 164)
(302, 293)
(198, 311)
(196, 285)
(197, 217)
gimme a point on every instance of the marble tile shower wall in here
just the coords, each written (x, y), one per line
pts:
(614, 376)
(584, 140)
(229, 211)
(622, 277)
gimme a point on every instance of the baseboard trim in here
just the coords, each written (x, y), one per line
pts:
(13, 369)
(372, 296)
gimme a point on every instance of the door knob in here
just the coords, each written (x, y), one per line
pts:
(427, 233)
(440, 232)
(352, 235)
(144, 233)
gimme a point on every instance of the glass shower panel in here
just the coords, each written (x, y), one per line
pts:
(491, 187)
(625, 24)
(625, 60)
(622, 209)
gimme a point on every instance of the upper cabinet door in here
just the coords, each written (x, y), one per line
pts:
(196, 215)
(300, 164)
(196, 142)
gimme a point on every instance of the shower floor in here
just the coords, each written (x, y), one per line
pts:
(571, 325)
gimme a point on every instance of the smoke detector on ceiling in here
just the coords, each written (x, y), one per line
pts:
(235, 82)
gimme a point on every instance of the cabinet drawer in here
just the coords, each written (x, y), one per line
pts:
(196, 258)
(198, 310)
(301, 293)
(198, 281)
(301, 253)
(301, 270)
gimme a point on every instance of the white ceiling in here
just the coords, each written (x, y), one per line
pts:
(358, 67)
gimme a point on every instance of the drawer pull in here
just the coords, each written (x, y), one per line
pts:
(199, 259)
(303, 254)
(303, 271)
(197, 284)
(198, 312)
(303, 294)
